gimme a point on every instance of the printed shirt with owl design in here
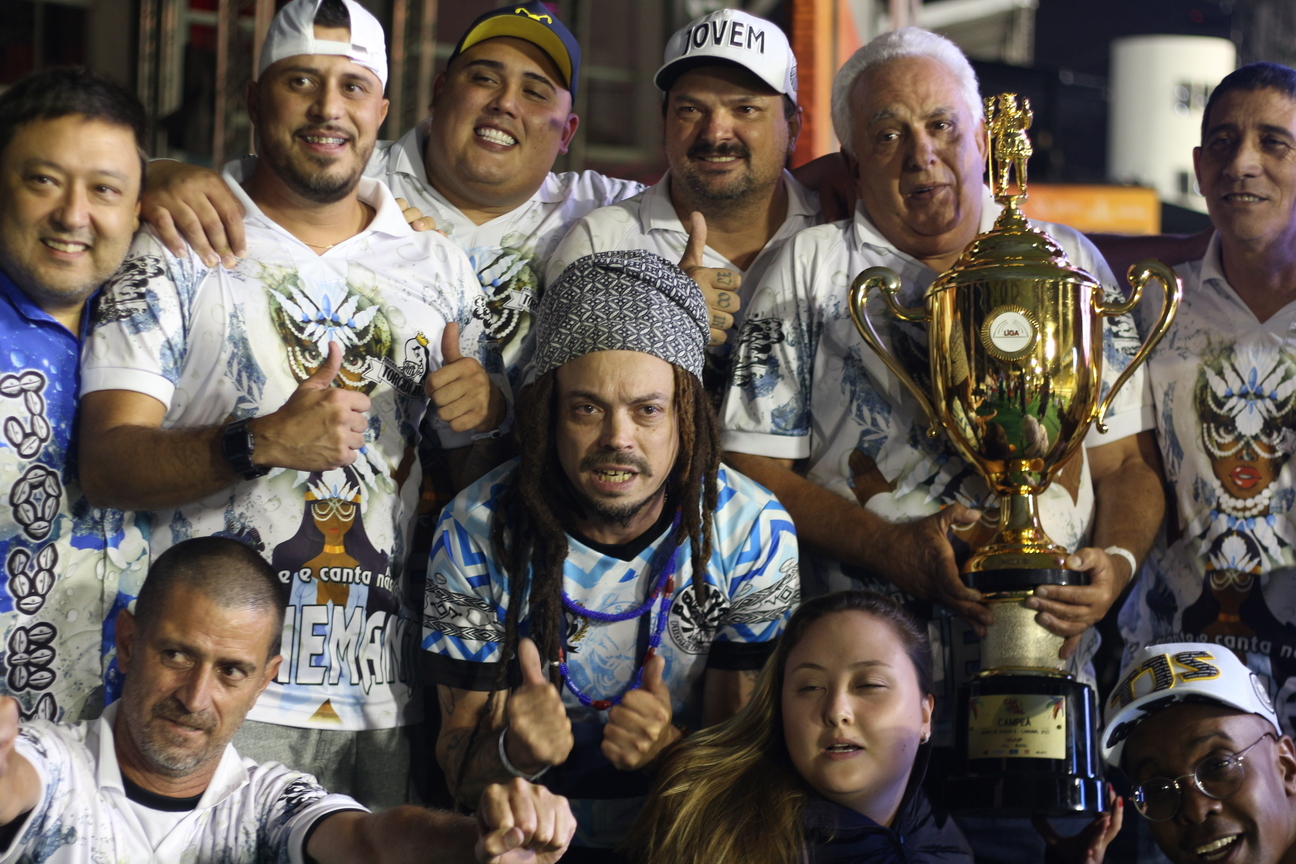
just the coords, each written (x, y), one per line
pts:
(724, 620)
(249, 814)
(805, 386)
(1223, 569)
(510, 253)
(63, 559)
(216, 345)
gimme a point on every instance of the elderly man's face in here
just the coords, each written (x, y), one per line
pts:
(919, 154)
(69, 205)
(317, 119)
(1257, 825)
(1246, 167)
(191, 678)
(617, 435)
(727, 133)
(500, 116)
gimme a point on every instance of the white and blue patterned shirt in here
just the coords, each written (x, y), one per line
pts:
(249, 814)
(63, 559)
(725, 620)
(217, 345)
(805, 386)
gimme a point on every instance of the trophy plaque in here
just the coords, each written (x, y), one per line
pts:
(1015, 346)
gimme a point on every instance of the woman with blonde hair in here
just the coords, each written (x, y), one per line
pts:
(824, 764)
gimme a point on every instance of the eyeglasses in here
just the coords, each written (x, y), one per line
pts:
(1217, 777)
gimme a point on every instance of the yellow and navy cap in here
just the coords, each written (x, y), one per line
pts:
(534, 22)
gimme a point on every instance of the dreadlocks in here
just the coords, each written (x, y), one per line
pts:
(527, 529)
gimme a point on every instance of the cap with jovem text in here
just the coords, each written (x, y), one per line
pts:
(533, 22)
(732, 36)
(1158, 677)
(292, 34)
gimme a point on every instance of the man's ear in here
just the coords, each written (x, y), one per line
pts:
(126, 633)
(569, 130)
(981, 138)
(1287, 764)
(271, 672)
(438, 86)
(794, 129)
(1197, 152)
(253, 103)
(852, 165)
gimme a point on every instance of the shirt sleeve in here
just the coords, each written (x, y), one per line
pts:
(766, 410)
(41, 828)
(764, 587)
(576, 243)
(141, 322)
(290, 805)
(463, 617)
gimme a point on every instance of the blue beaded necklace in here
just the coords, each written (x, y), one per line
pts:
(662, 592)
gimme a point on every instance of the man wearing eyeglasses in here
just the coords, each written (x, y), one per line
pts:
(1194, 730)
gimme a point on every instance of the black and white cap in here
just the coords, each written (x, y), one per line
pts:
(731, 36)
(622, 301)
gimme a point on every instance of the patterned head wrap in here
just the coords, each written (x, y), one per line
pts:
(622, 301)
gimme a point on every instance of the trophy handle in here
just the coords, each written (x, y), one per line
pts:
(889, 282)
(1139, 274)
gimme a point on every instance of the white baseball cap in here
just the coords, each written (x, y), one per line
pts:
(732, 36)
(1161, 676)
(292, 33)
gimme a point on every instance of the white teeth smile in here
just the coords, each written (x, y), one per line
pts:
(1217, 845)
(614, 476)
(842, 748)
(1243, 196)
(495, 136)
(333, 142)
(721, 158)
(63, 246)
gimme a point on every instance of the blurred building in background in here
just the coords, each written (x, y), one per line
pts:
(191, 59)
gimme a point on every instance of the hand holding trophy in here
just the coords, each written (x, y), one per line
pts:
(1015, 343)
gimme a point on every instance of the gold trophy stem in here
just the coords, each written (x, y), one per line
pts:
(1021, 541)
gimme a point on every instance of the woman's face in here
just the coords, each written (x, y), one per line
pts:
(333, 517)
(853, 713)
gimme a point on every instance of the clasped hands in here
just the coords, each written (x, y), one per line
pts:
(539, 734)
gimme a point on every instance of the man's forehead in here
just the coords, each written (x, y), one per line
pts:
(520, 54)
(618, 373)
(914, 84)
(322, 64)
(720, 79)
(1264, 107)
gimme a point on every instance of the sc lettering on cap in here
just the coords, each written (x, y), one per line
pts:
(1165, 670)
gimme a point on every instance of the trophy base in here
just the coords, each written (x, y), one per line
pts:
(1004, 580)
(1026, 745)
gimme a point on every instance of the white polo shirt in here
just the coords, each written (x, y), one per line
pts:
(648, 221)
(249, 812)
(804, 386)
(509, 253)
(216, 345)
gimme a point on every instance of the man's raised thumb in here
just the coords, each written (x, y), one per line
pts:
(529, 660)
(696, 246)
(450, 344)
(323, 376)
(961, 514)
(652, 677)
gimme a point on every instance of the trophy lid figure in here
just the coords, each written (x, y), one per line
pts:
(1010, 148)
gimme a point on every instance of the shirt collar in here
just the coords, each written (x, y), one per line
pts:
(29, 309)
(229, 777)
(659, 211)
(866, 233)
(406, 155)
(388, 218)
(1212, 265)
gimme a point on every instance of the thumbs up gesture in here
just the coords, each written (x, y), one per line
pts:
(319, 428)
(539, 733)
(719, 284)
(640, 727)
(462, 392)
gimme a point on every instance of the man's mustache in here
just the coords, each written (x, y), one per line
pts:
(173, 709)
(622, 460)
(700, 150)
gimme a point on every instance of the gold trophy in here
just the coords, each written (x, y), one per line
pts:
(1015, 341)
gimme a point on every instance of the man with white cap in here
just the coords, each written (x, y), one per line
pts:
(1197, 735)
(282, 402)
(583, 555)
(730, 123)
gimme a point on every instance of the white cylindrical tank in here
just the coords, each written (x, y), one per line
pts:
(1159, 86)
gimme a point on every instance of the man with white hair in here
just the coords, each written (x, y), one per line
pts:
(874, 498)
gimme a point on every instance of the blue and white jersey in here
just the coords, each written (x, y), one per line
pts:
(62, 558)
(724, 620)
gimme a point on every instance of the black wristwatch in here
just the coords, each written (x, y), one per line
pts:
(237, 445)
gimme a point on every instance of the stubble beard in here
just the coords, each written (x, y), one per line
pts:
(319, 186)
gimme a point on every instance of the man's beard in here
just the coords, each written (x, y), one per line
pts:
(319, 186)
(166, 759)
(619, 514)
(736, 189)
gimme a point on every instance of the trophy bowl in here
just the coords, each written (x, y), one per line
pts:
(1015, 355)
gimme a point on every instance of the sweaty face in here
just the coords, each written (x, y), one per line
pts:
(726, 133)
(853, 712)
(920, 154)
(1253, 826)
(69, 204)
(317, 118)
(190, 680)
(617, 434)
(501, 114)
(1246, 167)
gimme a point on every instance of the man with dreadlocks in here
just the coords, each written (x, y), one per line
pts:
(583, 554)
(1224, 380)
